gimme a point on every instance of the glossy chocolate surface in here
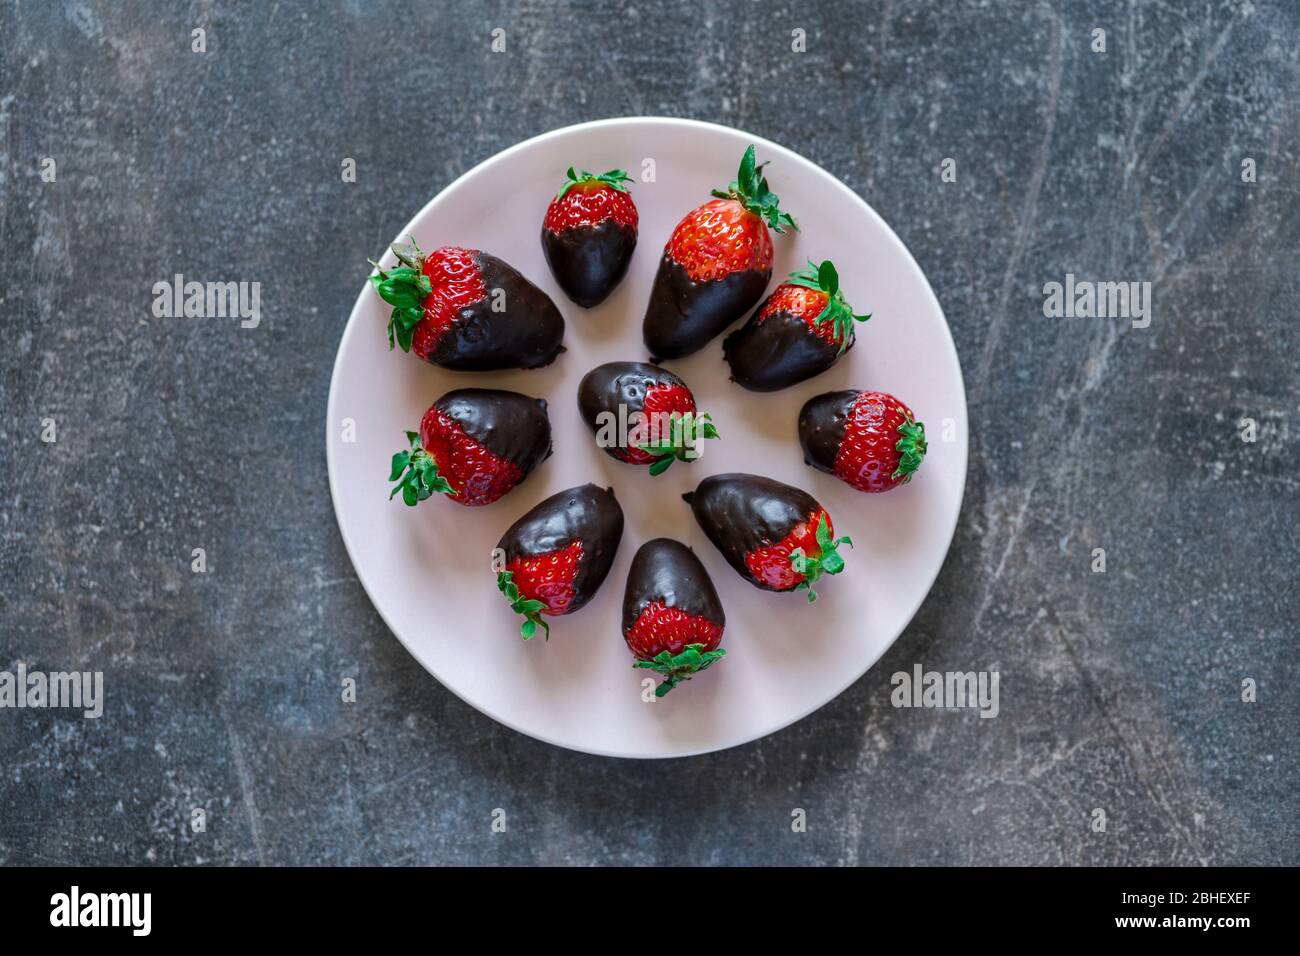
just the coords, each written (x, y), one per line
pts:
(511, 426)
(776, 353)
(589, 261)
(668, 571)
(526, 333)
(822, 421)
(607, 386)
(741, 513)
(585, 513)
(683, 315)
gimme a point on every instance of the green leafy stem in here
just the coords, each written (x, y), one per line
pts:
(825, 279)
(416, 474)
(750, 189)
(528, 607)
(614, 178)
(405, 289)
(912, 448)
(676, 668)
(685, 431)
(828, 562)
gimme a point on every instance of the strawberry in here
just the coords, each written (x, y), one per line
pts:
(869, 440)
(589, 234)
(643, 414)
(474, 445)
(777, 537)
(799, 332)
(555, 557)
(715, 266)
(464, 309)
(672, 618)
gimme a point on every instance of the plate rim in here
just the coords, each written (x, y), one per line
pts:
(768, 147)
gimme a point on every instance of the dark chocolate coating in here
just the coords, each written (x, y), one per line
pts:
(511, 426)
(526, 333)
(585, 513)
(668, 571)
(776, 353)
(589, 261)
(822, 421)
(607, 386)
(683, 315)
(742, 513)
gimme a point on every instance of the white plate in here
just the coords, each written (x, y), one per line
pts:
(427, 569)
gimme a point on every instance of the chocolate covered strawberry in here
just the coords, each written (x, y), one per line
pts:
(557, 555)
(474, 445)
(798, 332)
(715, 266)
(643, 414)
(869, 440)
(464, 309)
(589, 233)
(672, 618)
(776, 537)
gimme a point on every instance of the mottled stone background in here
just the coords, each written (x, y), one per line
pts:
(1119, 691)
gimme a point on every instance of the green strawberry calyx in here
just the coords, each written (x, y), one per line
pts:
(684, 433)
(828, 561)
(750, 189)
(825, 279)
(405, 289)
(613, 178)
(679, 667)
(416, 474)
(911, 446)
(529, 608)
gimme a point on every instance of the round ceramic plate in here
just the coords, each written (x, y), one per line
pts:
(428, 569)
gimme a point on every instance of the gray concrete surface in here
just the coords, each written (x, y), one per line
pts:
(1120, 691)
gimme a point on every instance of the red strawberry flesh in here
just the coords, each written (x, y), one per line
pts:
(457, 283)
(661, 628)
(476, 475)
(771, 565)
(549, 578)
(589, 204)
(719, 238)
(869, 458)
(805, 303)
(660, 402)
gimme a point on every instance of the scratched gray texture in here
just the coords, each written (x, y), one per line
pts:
(1119, 691)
